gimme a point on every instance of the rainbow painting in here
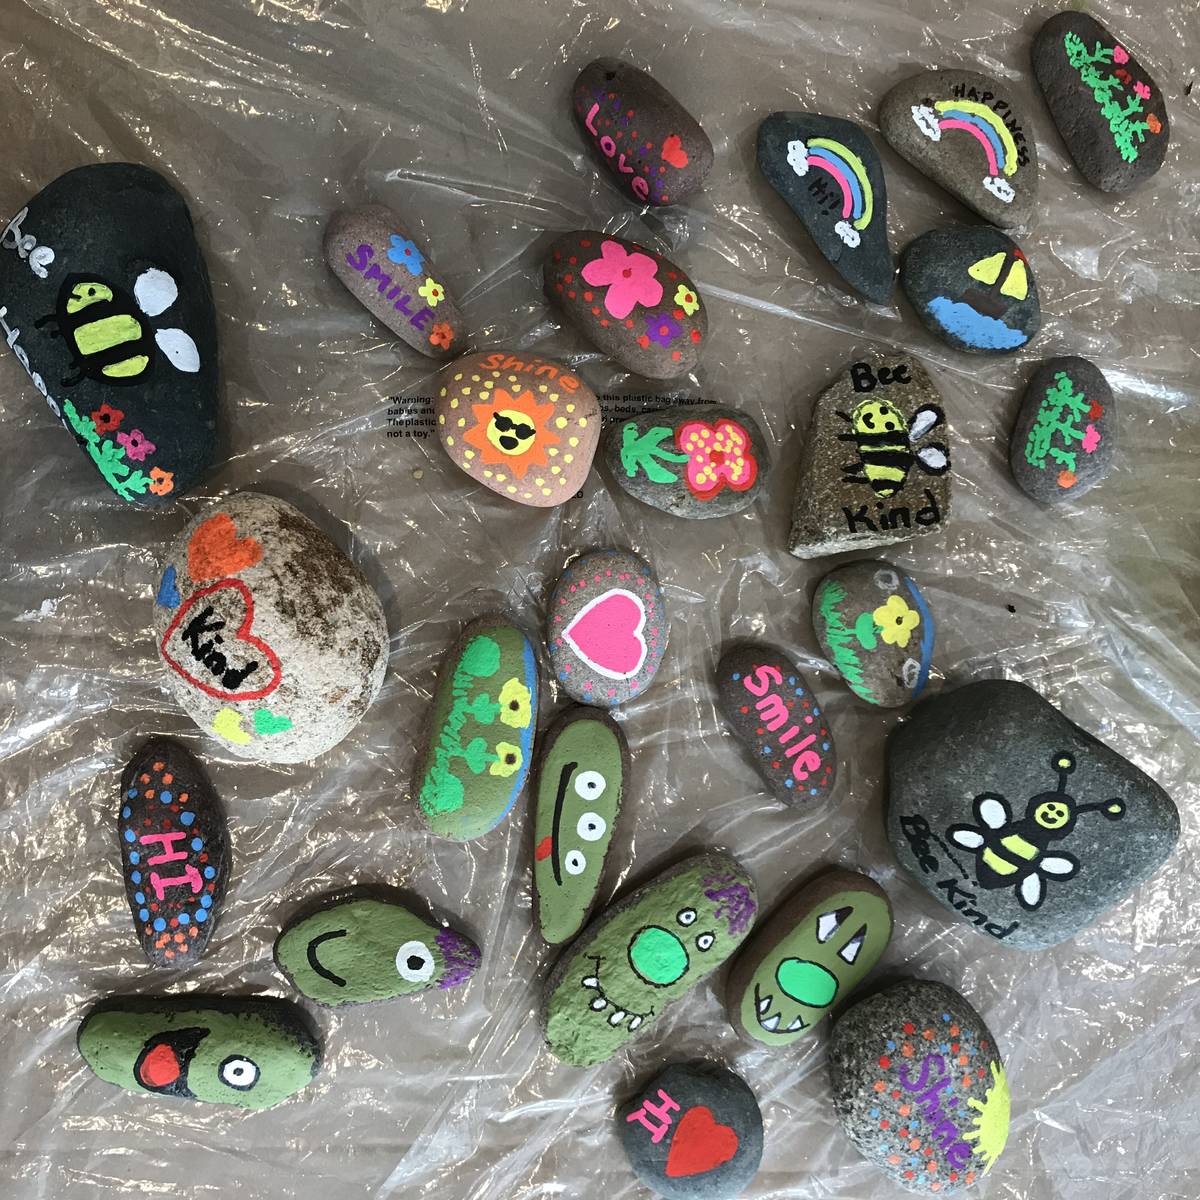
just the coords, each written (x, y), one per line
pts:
(847, 170)
(985, 127)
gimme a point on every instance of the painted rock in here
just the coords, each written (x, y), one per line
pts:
(829, 173)
(774, 714)
(964, 131)
(628, 301)
(480, 736)
(1062, 444)
(251, 1053)
(105, 301)
(272, 639)
(919, 1086)
(354, 951)
(691, 461)
(694, 1132)
(174, 852)
(648, 142)
(607, 627)
(876, 465)
(581, 780)
(1018, 821)
(1110, 113)
(524, 426)
(973, 288)
(394, 279)
(809, 955)
(876, 628)
(641, 954)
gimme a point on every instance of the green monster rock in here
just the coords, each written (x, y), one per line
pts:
(353, 951)
(582, 777)
(476, 757)
(251, 1053)
(639, 955)
(812, 952)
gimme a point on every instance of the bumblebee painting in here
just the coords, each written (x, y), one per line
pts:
(886, 442)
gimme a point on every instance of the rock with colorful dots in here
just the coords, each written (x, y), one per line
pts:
(174, 852)
(606, 628)
(523, 426)
(629, 301)
(919, 1086)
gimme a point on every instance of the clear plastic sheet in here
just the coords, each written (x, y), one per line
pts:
(456, 112)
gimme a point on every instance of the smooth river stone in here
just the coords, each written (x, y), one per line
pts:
(361, 949)
(965, 132)
(829, 174)
(524, 426)
(581, 780)
(648, 142)
(606, 628)
(1111, 114)
(694, 1132)
(1018, 821)
(251, 1053)
(479, 740)
(385, 269)
(175, 858)
(272, 639)
(105, 301)
(629, 301)
(919, 1086)
(1063, 441)
(972, 287)
(774, 714)
(808, 956)
(876, 466)
(643, 953)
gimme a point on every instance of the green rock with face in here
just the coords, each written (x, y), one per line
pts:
(639, 955)
(251, 1053)
(813, 951)
(353, 951)
(584, 765)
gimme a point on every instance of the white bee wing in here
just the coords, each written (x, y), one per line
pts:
(923, 420)
(993, 812)
(179, 348)
(154, 291)
(968, 839)
(933, 457)
(1054, 864)
(1031, 890)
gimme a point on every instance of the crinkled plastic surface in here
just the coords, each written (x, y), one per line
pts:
(456, 113)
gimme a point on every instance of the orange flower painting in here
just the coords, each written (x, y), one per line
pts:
(512, 431)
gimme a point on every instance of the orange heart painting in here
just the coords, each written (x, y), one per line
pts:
(216, 551)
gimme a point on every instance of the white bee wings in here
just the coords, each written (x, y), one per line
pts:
(179, 348)
(155, 291)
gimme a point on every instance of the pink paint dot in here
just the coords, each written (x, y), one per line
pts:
(808, 720)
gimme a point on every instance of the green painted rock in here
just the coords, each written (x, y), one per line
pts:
(251, 1053)
(639, 955)
(814, 950)
(477, 753)
(584, 765)
(353, 951)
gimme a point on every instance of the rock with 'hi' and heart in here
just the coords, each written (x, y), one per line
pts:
(523, 426)
(807, 956)
(1018, 821)
(965, 132)
(606, 628)
(693, 1132)
(643, 953)
(1111, 114)
(105, 301)
(175, 859)
(973, 287)
(829, 173)
(648, 142)
(272, 639)
(629, 301)
(691, 460)
(876, 465)
(394, 279)
(1065, 433)
(919, 1086)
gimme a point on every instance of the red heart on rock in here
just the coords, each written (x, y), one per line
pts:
(606, 633)
(673, 151)
(700, 1144)
(216, 550)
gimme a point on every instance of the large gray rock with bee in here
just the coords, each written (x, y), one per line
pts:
(105, 301)
(877, 463)
(1019, 822)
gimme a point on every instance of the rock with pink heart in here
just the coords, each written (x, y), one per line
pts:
(607, 627)
(271, 638)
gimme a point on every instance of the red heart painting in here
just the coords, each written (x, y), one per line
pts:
(700, 1144)
(673, 151)
(215, 550)
(607, 635)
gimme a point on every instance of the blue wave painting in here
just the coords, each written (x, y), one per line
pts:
(973, 327)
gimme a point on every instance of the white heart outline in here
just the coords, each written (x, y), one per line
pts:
(637, 633)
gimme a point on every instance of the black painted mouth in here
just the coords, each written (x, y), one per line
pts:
(315, 962)
(564, 777)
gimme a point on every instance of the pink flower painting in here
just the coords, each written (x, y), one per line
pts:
(629, 277)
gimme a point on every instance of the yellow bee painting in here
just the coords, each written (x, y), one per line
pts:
(886, 443)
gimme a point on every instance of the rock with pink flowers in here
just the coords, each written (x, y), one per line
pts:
(628, 301)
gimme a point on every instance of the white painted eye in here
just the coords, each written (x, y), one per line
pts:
(415, 963)
(686, 916)
(705, 941)
(575, 863)
(240, 1073)
(589, 785)
(591, 827)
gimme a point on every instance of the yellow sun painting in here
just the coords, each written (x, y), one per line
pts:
(512, 431)
(990, 1130)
